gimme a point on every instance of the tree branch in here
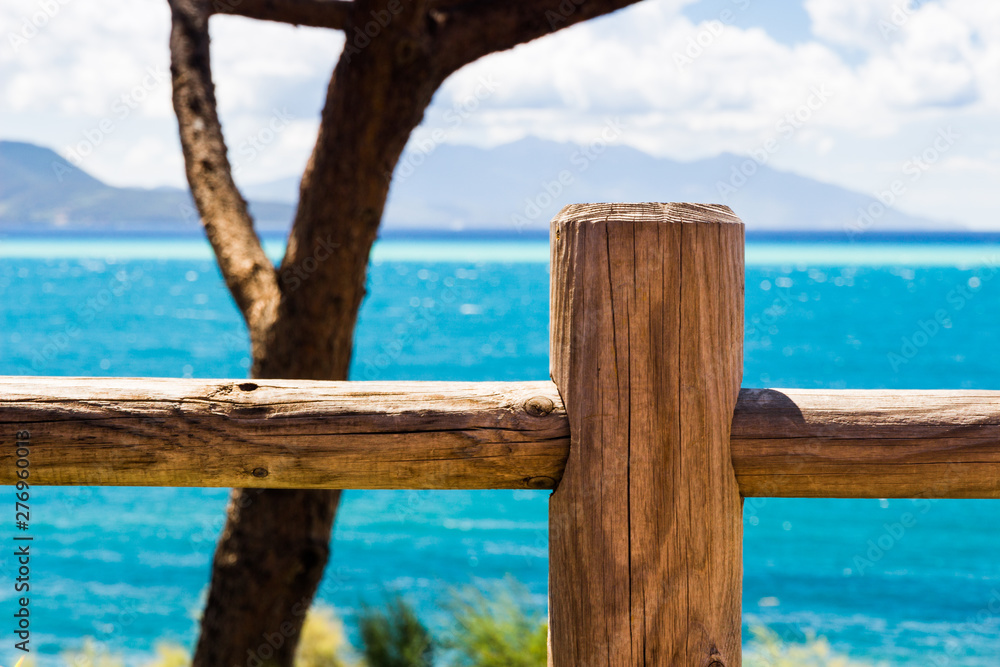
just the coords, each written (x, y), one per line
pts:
(471, 29)
(248, 272)
(317, 13)
(383, 82)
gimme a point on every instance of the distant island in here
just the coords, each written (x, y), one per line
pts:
(512, 189)
(40, 191)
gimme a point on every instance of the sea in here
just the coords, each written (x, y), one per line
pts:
(129, 567)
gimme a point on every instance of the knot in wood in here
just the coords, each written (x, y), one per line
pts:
(369, 216)
(541, 482)
(407, 51)
(539, 406)
(259, 472)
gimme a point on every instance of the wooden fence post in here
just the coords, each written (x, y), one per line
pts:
(645, 528)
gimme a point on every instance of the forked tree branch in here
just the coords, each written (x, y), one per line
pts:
(248, 272)
(397, 54)
(460, 31)
(472, 29)
(317, 13)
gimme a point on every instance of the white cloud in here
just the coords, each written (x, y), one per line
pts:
(683, 90)
(94, 62)
(741, 80)
(689, 90)
(83, 56)
(854, 23)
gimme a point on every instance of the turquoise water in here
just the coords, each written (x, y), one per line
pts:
(130, 566)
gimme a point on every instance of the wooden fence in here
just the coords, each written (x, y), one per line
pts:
(644, 434)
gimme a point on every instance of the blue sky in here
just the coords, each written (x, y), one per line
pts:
(853, 92)
(786, 22)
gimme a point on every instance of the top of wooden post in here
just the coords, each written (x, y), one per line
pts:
(682, 212)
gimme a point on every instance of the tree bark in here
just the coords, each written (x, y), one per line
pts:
(301, 317)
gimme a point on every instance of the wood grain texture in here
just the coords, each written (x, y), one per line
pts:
(867, 444)
(784, 442)
(285, 434)
(645, 544)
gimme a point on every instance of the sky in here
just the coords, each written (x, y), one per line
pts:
(863, 94)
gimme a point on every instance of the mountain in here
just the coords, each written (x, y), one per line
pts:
(39, 190)
(512, 188)
(283, 189)
(521, 185)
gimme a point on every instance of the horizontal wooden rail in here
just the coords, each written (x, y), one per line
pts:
(285, 434)
(867, 444)
(452, 435)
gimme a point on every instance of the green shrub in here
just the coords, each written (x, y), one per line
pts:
(488, 629)
(394, 637)
(495, 630)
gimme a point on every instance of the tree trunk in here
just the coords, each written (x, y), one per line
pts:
(275, 545)
(267, 567)
(301, 317)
